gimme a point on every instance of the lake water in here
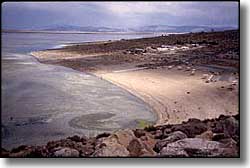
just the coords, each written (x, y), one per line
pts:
(45, 102)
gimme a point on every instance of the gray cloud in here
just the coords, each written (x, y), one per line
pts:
(118, 14)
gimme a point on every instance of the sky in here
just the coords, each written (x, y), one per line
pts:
(26, 15)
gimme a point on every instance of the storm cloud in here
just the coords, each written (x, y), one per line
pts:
(22, 15)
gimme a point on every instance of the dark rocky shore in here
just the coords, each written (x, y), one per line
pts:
(194, 138)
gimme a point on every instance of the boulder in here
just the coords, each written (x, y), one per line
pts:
(191, 128)
(172, 137)
(123, 136)
(149, 141)
(166, 132)
(21, 151)
(114, 150)
(139, 132)
(29, 151)
(75, 138)
(229, 126)
(197, 147)
(110, 147)
(207, 135)
(65, 152)
(115, 145)
(86, 150)
(138, 148)
(40, 151)
(158, 134)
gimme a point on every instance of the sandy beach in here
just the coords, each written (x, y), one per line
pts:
(167, 75)
(175, 95)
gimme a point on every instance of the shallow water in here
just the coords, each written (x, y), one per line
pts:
(45, 102)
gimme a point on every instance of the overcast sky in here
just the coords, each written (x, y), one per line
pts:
(118, 14)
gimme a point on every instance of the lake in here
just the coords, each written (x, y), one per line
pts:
(45, 102)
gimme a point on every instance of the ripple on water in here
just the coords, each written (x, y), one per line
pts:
(96, 121)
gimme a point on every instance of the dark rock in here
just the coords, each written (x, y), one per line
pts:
(222, 117)
(75, 138)
(194, 120)
(231, 127)
(139, 132)
(158, 134)
(237, 117)
(135, 148)
(87, 150)
(40, 151)
(18, 149)
(52, 144)
(218, 136)
(64, 143)
(171, 138)
(29, 151)
(218, 127)
(228, 125)
(91, 141)
(4, 153)
(166, 132)
(191, 128)
(105, 134)
(22, 151)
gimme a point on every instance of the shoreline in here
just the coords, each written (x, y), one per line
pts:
(158, 120)
(106, 65)
(167, 76)
(160, 117)
(134, 93)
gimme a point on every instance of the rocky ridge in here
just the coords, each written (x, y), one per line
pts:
(193, 138)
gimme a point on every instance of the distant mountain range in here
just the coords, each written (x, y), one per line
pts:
(181, 29)
(152, 28)
(80, 28)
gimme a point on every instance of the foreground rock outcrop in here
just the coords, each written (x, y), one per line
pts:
(193, 138)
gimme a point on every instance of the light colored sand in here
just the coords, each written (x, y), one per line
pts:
(166, 92)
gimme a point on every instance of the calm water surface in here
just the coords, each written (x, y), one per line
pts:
(45, 102)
